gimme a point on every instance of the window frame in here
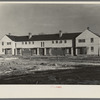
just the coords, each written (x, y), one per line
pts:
(56, 41)
(65, 41)
(91, 40)
(2, 43)
(81, 40)
(8, 43)
(92, 49)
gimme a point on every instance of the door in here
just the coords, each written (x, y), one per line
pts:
(82, 50)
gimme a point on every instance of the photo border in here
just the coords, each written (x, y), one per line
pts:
(5, 88)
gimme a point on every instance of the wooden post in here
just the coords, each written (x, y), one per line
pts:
(72, 51)
(45, 51)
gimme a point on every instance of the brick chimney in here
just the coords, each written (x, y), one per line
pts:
(60, 33)
(30, 35)
(88, 28)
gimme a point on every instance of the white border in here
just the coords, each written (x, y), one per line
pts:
(50, 91)
(51, 2)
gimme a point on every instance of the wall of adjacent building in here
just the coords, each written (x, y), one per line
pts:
(47, 44)
(5, 39)
(87, 35)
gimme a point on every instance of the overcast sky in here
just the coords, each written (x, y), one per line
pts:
(20, 19)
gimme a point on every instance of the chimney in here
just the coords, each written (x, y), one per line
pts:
(30, 35)
(88, 28)
(9, 34)
(60, 33)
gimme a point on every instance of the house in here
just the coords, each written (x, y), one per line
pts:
(45, 44)
(88, 43)
(79, 43)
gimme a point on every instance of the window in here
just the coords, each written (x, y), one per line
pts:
(22, 42)
(52, 41)
(25, 42)
(60, 41)
(81, 40)
(8, 43)
(65, 41)
(42, 44)
(3, 50)
(56, 41)
(92, 49)
(33, 42)
(92, 40)
(2, 43)
(29, 42)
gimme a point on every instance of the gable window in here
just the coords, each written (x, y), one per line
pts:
(56, 41)
(92, 40)
(81, 40)
(8, 43)
(60, 41)
(52, 41)
(65, 41)
(92, 49)
(2, 43)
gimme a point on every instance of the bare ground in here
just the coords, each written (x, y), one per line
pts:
(50, 70)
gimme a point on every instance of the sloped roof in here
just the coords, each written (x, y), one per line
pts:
(95, 33)
(44, 37)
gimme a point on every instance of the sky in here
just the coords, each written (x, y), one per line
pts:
(20, 19)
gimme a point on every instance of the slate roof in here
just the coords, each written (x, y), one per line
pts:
(44, 37)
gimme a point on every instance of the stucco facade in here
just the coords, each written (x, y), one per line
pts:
(84, 43)
(89, 42)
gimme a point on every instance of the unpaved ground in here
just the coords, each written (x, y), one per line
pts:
(13, 69)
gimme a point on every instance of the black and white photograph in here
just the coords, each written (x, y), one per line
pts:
(49, 44)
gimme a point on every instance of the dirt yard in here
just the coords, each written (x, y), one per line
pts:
(50, 70)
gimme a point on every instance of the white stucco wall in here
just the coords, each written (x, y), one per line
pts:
(87, 35)
(47, 44)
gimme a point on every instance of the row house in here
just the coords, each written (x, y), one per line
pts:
(79, 43)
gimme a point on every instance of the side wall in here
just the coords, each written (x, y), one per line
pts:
(87, 35)
(5, 39)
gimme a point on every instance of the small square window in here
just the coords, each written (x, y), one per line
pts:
(65, 41)
(3, 50)
(92, 40)
(52, 41)
(92, 49)
(56, 41)
(2, 43)
(60, 41)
